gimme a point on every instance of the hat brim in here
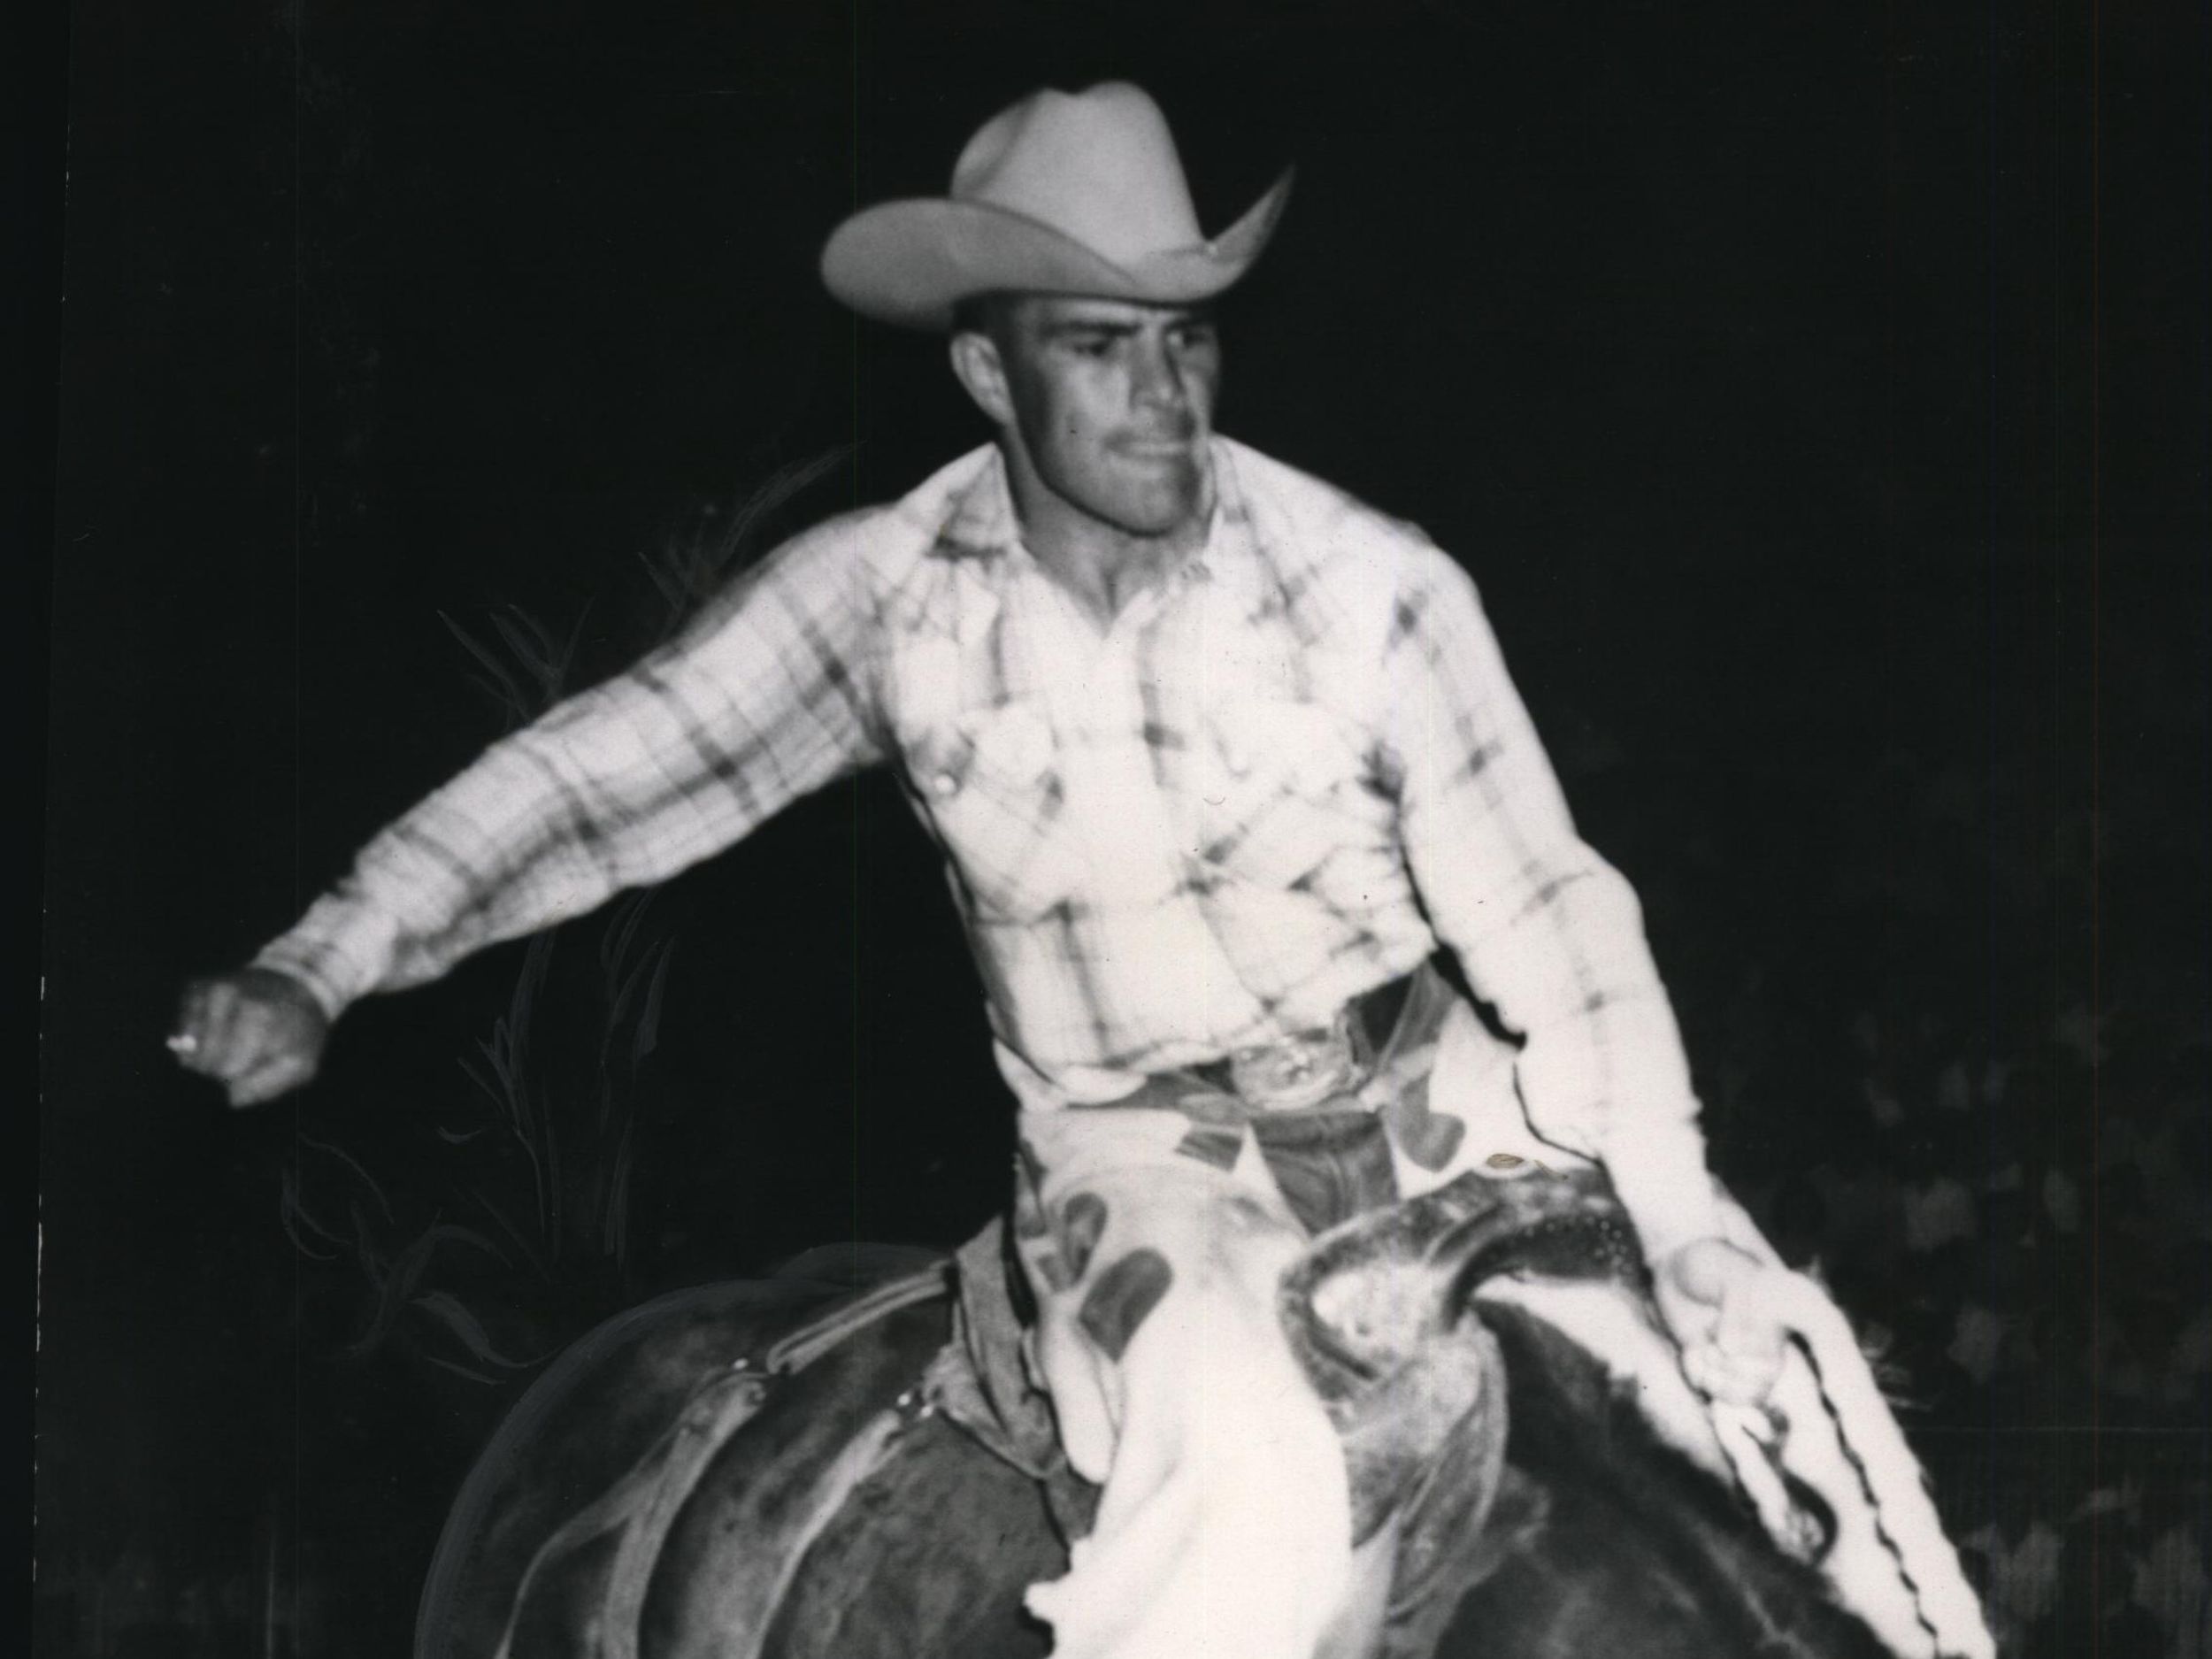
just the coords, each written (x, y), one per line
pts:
(910, 263)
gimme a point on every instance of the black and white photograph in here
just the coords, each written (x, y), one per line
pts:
(975, 831)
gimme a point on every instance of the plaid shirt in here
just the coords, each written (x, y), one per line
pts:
(1277, 779)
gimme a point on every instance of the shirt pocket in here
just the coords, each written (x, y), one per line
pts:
(1279, 780)
(989, 781)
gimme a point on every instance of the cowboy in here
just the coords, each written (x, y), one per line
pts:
(1220, 760)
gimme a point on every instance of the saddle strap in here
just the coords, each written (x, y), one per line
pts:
(654, 1489)
(817, 1336)
(643, 1505)
(855, 1462)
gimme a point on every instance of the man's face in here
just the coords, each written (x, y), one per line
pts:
(1113, 403)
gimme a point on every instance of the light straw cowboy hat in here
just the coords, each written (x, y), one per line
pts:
(1064, 193)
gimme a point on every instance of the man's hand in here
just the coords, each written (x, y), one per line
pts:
(1712, 1295)
(256, 1032)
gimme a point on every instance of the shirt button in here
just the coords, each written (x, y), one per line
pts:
(942, 784)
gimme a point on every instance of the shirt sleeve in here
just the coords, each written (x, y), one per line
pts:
(765, 696)
(1548, 931)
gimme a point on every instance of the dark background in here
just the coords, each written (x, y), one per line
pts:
(1821, 401)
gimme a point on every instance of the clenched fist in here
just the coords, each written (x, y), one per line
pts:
(1720, 1304)
(256, 1032)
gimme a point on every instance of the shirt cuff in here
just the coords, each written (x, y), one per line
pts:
(1662, 1181)
(336, 952)
(328, 996)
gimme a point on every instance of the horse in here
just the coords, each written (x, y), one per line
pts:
(845, 1458)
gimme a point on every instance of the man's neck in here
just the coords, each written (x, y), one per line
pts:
(1101, 564)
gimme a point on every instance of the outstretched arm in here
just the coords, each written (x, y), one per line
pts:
(766, 698)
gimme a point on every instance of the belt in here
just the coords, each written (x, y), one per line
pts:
(1307, 1067)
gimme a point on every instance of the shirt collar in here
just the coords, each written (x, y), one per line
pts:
(981, 524)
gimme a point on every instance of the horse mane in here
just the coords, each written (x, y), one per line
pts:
(1641, 1551)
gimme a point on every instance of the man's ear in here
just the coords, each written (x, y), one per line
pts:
(976, 362)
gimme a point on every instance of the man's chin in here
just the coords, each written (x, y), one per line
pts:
(1146, 502)
(1169, 504)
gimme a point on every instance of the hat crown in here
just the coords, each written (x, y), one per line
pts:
(1098, 166)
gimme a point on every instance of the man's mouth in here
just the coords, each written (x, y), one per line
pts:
(1156, 448)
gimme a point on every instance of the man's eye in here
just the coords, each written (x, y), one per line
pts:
(1195, 338)
(1094, 345)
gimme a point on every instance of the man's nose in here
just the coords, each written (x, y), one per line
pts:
(1160, 382)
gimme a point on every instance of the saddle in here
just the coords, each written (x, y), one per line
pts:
(1380, 1314)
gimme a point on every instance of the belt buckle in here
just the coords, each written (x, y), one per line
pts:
(1302, 1070)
